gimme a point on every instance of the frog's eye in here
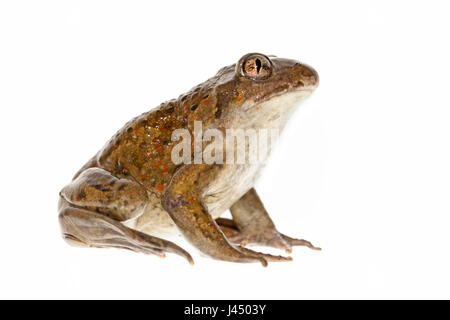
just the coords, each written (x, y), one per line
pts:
(257, 67)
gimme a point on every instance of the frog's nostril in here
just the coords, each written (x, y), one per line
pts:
(299, 83)
(316, 77)
(309, 76)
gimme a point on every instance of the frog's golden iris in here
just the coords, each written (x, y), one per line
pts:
(256, 66)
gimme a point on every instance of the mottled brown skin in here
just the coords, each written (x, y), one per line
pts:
(116, 185)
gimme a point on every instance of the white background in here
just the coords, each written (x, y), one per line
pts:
(362, 170)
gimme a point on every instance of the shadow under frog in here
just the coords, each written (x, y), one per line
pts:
(131, 192)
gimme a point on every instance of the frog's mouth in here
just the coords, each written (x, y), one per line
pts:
(283, 100)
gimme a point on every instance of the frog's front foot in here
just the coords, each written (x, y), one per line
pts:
(251, 224)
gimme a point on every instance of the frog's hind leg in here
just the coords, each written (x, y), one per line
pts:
(93, 207)
(81, 227)
(251, 224)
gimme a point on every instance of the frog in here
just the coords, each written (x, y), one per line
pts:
(132, 195)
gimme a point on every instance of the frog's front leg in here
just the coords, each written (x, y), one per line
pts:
(93, 206)
(251, 224)
(183, 200)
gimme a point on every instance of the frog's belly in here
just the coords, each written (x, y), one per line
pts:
(231, 184)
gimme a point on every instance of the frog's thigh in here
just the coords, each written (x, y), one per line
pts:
(97, 190)
(93, 206)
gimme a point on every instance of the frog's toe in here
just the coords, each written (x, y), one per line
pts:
(265, 256)
(273, 239)
(268, 239)
(154, 243)
(299, 242)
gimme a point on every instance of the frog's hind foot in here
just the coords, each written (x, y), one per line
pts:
(268, 237)
(82, 227)
(94, 205)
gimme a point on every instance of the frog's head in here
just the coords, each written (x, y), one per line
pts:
(258, 84)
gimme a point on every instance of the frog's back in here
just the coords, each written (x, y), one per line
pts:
(141, 149)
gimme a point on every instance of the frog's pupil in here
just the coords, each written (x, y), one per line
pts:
(258, 65)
